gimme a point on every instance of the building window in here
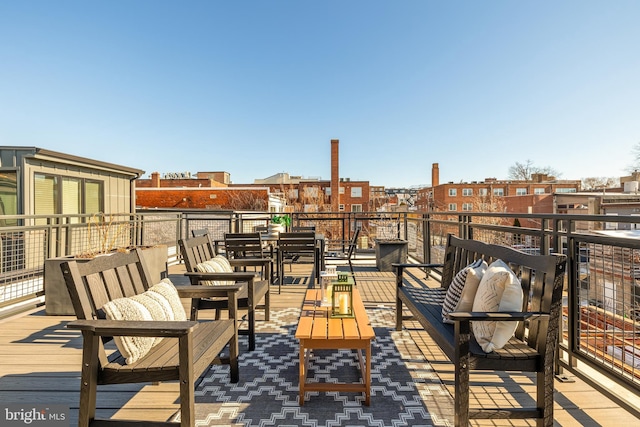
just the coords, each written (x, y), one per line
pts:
(356, 191)
(341, 207)
(482, 191)
(8, 197)
(467, 191)
(453, 206)
(356, 208)
(565, 190)
(293, 193)
(341, 190)
(538, 191)
(467, 206)
(327, 191)
(65, 195)
(498, 191)
(521, 191)
(453, 192)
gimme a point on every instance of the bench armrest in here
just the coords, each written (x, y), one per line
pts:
(145, 328)
(505, 316)
(417, 265)
(400, 270)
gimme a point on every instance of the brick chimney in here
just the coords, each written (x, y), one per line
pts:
(155, 180)
(335, 176)
(435, 175)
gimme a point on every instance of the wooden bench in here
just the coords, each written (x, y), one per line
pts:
(199, 249)
(186, 351)
(530, 350)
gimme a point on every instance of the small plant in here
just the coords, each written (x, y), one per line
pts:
(105, 234)
(284, 220)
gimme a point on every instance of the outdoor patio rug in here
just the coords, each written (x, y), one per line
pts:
(405, 391)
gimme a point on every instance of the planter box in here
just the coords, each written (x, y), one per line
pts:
(56, 296)
(389, 252)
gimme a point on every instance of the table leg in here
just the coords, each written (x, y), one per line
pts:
(367, 376)
(303, 373)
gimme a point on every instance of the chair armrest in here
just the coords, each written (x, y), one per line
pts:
(206, 291)
(237, 276)
(250, 262)
(144, 328)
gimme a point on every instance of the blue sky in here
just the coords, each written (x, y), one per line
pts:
(260, 87)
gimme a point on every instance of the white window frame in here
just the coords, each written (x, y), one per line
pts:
(467, 191)
(453, 192)
(453, 207)
(356, 192)
(521, 191)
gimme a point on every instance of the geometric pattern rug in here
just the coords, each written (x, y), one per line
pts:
(403, 384)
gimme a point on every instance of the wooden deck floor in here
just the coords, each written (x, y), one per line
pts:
(40, 361)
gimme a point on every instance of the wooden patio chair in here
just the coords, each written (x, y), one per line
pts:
(199, 249)
(186, 350)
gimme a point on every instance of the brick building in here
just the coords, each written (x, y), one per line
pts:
(278, 193)
(493, 195)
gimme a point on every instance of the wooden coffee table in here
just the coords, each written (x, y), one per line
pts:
(317, 330)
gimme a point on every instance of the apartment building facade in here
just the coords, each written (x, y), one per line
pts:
(493, 195)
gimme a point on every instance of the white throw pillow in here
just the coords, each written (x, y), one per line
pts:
(221, 265)
(159, 302)
(499, 290)
(131, 348)
(225, 262)
(470, 289)
(463, 285)
(207, 267)
(168, 291)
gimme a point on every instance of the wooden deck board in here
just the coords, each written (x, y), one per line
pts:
(40, 361)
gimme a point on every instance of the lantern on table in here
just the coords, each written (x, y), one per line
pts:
(326, 283)
(342, 299)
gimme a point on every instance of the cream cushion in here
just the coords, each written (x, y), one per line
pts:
(225, 262)
(160, 302)
(207, 267)
(168, 292)
(499, 290)
(462, 290)
(217, 264)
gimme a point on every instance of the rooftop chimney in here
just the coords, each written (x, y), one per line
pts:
(435, 175)
(155, 180)
(335, 176)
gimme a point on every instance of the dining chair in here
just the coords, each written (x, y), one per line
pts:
(297, 247)
(250, 247)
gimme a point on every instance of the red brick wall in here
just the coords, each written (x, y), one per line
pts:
(197, 198)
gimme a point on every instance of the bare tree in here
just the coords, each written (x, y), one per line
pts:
(635, 152)
(524, 171)
(599, 183)
(247, 201)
